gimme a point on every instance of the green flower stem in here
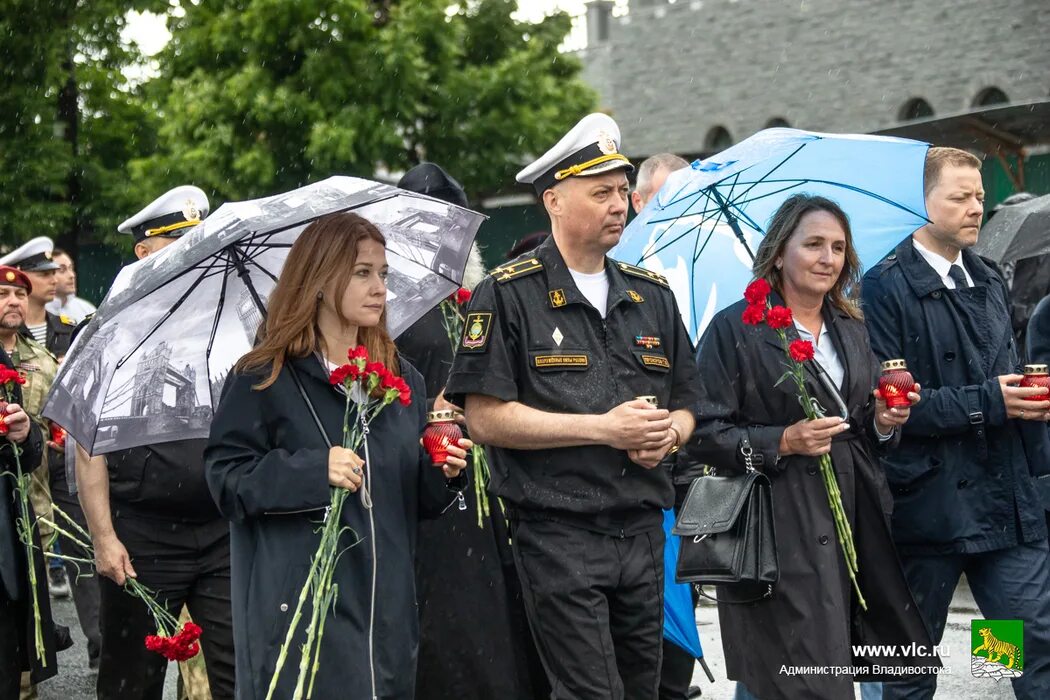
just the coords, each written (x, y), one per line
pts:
(481, 480)
(293, 626)
(24, 526)
(165, 621)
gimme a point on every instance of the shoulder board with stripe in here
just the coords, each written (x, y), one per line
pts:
(643, 273)
(514, 270)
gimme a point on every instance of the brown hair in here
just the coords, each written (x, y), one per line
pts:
(938, 157)
(846, 292)
(325, 252)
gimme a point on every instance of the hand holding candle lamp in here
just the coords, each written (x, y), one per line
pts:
(444, 442)
(896, 394)
(1035, 376)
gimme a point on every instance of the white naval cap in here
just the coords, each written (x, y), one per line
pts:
(591, 147)
(169, 214)
(33, 256)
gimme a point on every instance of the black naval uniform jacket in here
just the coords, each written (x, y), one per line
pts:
(531, 336)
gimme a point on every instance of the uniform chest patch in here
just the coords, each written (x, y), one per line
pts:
(655, 361)
(557, 298)
(476, 330)
(561, 361)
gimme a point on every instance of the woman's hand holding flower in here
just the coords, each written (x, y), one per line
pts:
(345, 469)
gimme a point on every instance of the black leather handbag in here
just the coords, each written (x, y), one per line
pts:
(728, 537)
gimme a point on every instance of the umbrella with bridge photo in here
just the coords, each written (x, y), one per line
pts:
(150, 365)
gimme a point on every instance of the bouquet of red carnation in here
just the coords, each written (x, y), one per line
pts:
(9, 378)
(799, 352)
(375, 387)
(173, 642)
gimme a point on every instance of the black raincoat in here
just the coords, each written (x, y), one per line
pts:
(813, 617)
(267, 467)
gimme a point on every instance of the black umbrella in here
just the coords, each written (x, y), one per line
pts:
(1017, 232)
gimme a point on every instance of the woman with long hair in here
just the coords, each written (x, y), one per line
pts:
(778, 645)
(270, 466)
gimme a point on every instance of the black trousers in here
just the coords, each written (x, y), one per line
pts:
(12, 632)
(183, 564)
(595, 606)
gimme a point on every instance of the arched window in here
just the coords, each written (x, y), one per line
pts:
(915, 108)
(777, 122)
(718, 139)
(990, 96)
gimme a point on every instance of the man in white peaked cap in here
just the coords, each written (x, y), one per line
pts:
(152, 517)
(34, 258)
(166, 218)
(563, 351)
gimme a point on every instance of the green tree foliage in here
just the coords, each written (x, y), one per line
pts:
(260, 96)
(69, 120)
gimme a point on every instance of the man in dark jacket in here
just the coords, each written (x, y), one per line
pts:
(152, 517)
(964, 496)
(17, 651)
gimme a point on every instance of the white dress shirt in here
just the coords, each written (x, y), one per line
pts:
(941, 265)
(825, 354)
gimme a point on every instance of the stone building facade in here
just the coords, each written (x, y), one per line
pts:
(694, 76)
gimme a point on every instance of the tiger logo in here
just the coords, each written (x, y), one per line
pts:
(995, 649)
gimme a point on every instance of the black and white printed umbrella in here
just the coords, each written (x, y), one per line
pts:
(150, 365)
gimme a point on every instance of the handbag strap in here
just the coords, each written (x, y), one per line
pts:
(309, 404)
(748, 452)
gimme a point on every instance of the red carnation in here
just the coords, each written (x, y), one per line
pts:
(462, 296)
(387, 379)
(779, 317)
(754, 314)
(10, 376)
(801, 350)
(404, 392)
(358, 353)
(757, 292)
(376, 368)
(191, 631)
(156, 643)
(344, 373)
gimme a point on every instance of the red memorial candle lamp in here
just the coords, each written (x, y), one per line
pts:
(895, 383)
(58, 435)
(1036, 375)
(441, 431)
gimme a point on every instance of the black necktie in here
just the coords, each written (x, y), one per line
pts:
(958, 276)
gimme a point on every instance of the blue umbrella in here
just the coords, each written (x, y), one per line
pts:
(703, 226)
(679, 616)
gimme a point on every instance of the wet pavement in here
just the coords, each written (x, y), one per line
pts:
(76, 682)
(959, 684)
